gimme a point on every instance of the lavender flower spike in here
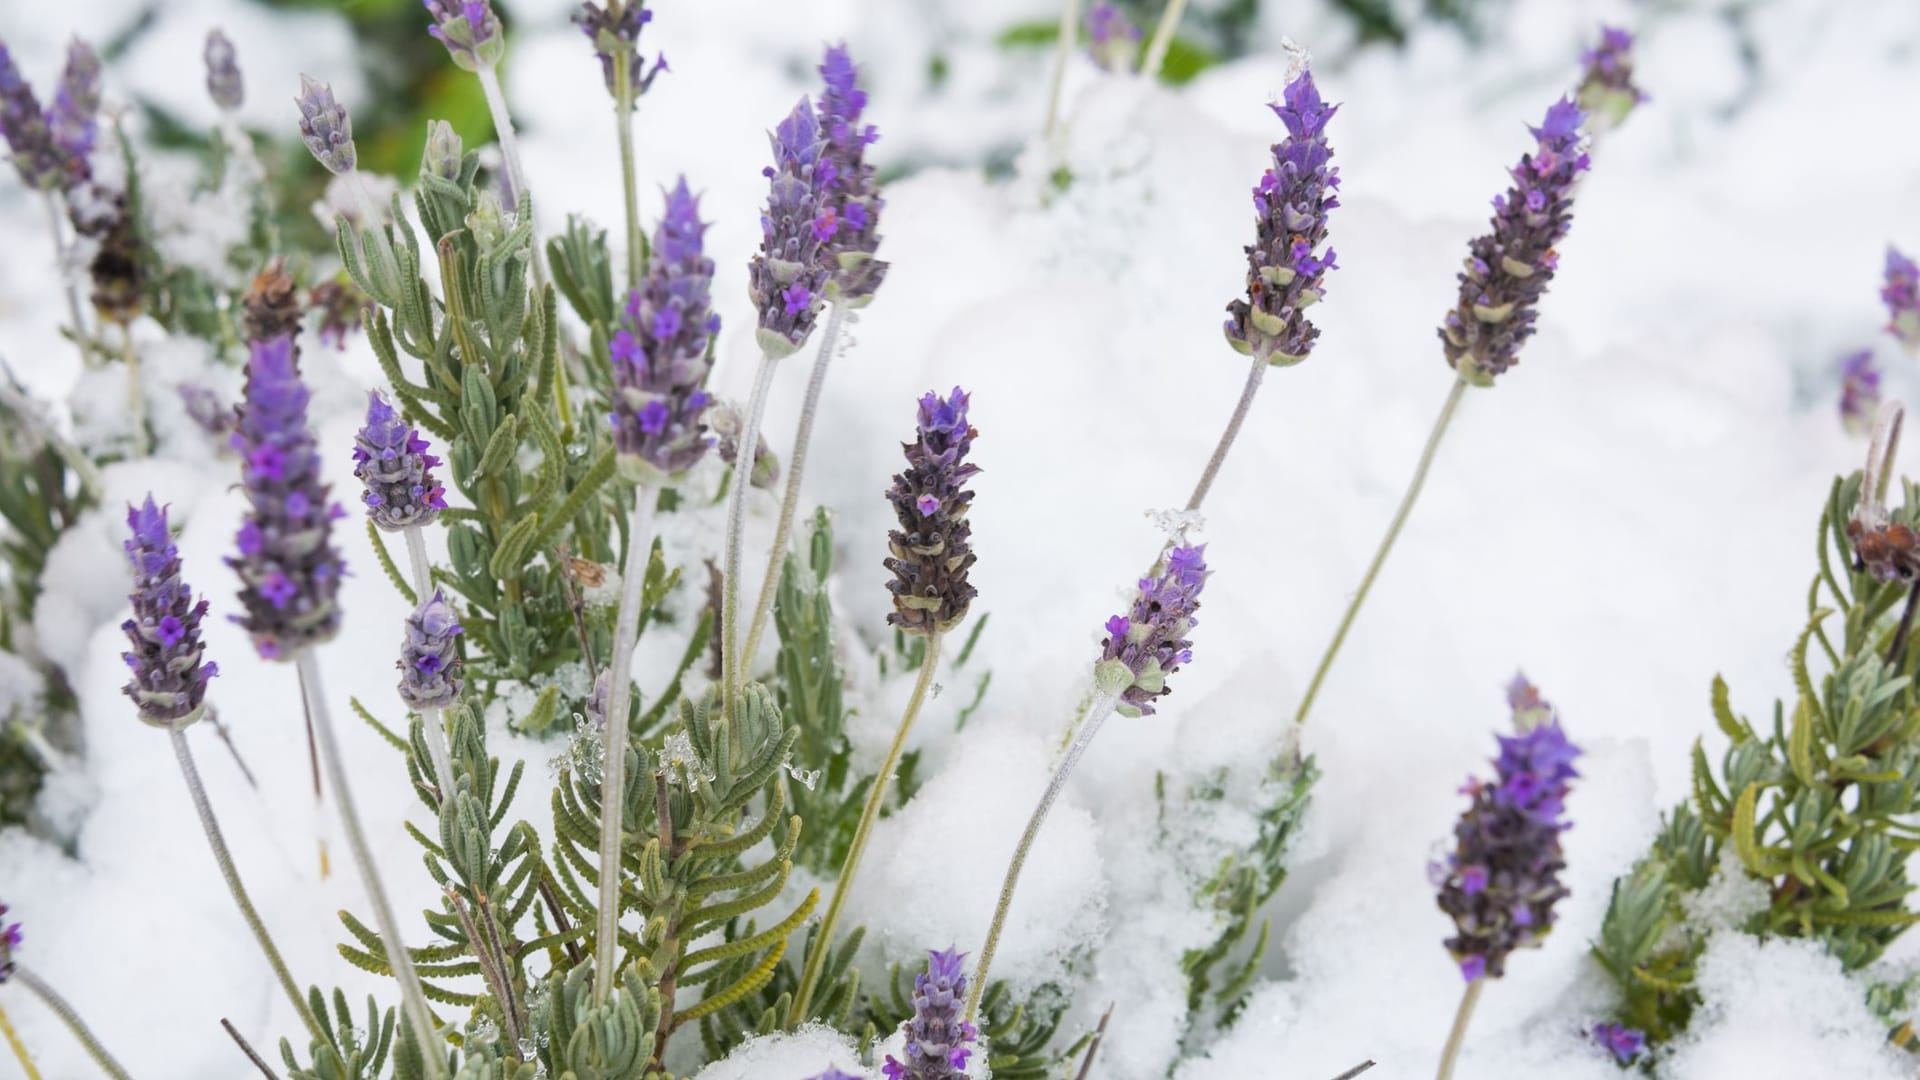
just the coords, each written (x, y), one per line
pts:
(1901, 292)
(1859, 392)
(428, 664)
(616, 39)
(35, 156)
(470, 31)
(289, 571)
(1607, 92)
(851, 216)
(1112, 38)
(937, 1037)
(1149, 643)
(391, 458)
(1503, 877)
(73, 119)
(785, 279)
(1624, 1043)
(932, 549)
(660, 362)
(169, 682)
(1508, 269)
(326, 127)
(834, 1074)
(1284, 276)
(224, 84)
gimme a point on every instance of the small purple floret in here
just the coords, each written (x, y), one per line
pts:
(617, 39)
(429, 664)
(1150, 642)
(165, 655)
(937, 1036)
(1624, 1043)
(470, 31)
(73, 118)
(224, 84)
(390, 458)
(1285, 275)
(1112, 38)
(1607, 89)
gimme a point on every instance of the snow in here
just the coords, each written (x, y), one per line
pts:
(1627, 513)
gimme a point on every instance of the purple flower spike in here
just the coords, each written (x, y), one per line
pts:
(1112, 38)
(1624, 1043)
(10, 939)
(937, 1037)
(660, 349)
(851, 216)
(74, 118)
(470, 31)
(1150, 642)
(617, 40)
(326, 127)
(1284, 274)
(429, 664)
(169, 678)
(38, 159)
(1503, 877)
(1507, 270)
(391, 459)
(1901, 292)
(224, 84)
(835, 1074)
(932, 549)
(1607, 92)
(1530, 710)
(1859, 392)
(789, 266)
(289, 571)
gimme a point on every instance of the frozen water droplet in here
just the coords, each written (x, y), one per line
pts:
(1298, 57)
(528, 1051)
(807, 778)
(1177, 524)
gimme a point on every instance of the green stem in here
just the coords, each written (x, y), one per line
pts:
(1460, 385)
(510, 149)
(413, 999)
(613, 770)
(72, 1019)
(221, 855)
(733, 665)
(1069, 37)
(1097, 712)
(19, 1048)
(623, 117)
(1458, 1035)
(796, 464)
(1252, 386)
(850, 866)
(1156, 57)
(136, 397)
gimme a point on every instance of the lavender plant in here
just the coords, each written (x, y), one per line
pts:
(1813, 807)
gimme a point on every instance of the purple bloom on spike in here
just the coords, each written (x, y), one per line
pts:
(660, 351)
(169, 676)
(1507, 270)
(1607, 89)
(1112, 38)
(937, 1036)
(852, 195)
(428, 663)
(1624, 1043)
(1859, 391)
(391, 459)
(326, 127)
(470, 31)
(1901, 292)
(35, 155)
(10, 939)
(1502, 879)
(932, 549)
(73, 118)
(224, 84)
(617, 40)
(1150, 642)
(1284, 274)
(289, 571)
(787, 275)
(343, 311)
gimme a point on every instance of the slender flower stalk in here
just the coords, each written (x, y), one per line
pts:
(787, 281)
(19, 1048)
(1142, 648)
(60, 1008)
(932, 552)
(1163, 32)
(1063, 50)
(613, 769)
(1457, 1035)
(1505, 274)
(850, 218)
(614, 28)
(168, 685)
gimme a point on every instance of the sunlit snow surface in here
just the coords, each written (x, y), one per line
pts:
(1629, 512)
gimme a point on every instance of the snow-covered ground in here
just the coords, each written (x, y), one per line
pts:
(1627, 513)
